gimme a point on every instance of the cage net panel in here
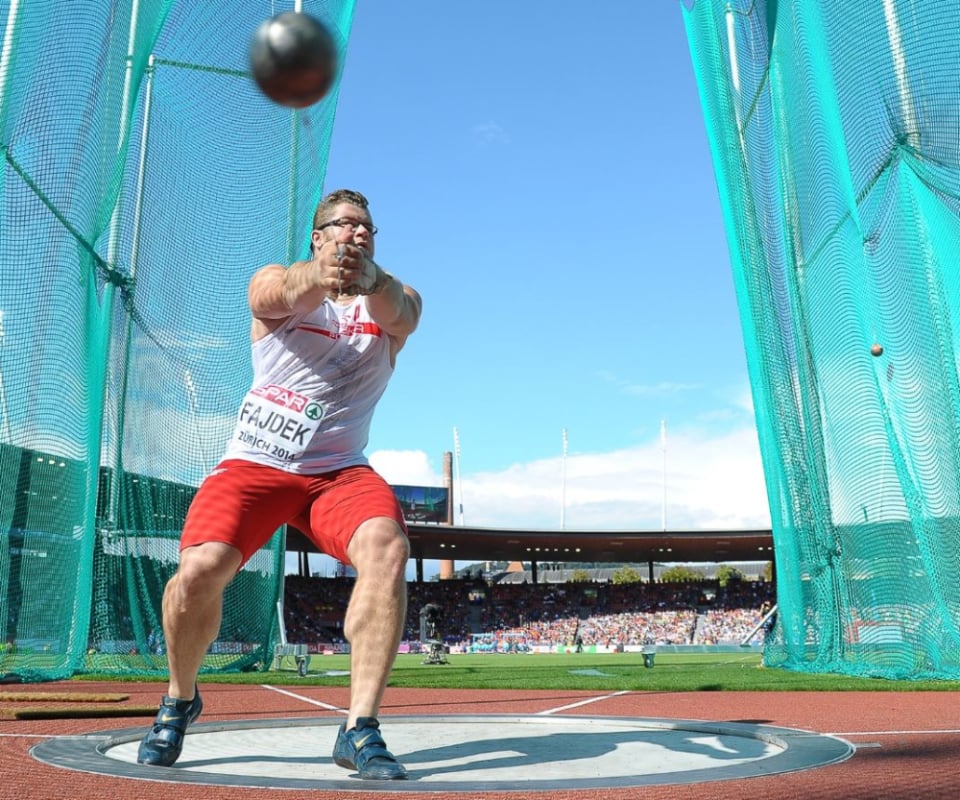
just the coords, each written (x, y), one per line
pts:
(836, 145)
(143, 179)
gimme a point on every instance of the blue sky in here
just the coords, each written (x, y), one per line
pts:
(540, 172)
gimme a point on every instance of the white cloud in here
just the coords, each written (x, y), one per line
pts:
(705, 481)
(405, 468)
(490, 133)
(662, 388)
(713, 481)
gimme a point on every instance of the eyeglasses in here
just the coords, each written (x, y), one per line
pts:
(350, 224)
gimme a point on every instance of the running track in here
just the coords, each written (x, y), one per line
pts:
(907, 743)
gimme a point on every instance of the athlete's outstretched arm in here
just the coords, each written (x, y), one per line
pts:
(395, 306)
(277, 292)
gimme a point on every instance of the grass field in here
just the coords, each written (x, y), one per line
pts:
(698, 672)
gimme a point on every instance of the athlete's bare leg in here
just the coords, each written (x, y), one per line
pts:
(192, 609)
(376, 613)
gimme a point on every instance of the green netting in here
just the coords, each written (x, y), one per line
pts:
(143, 179)
(835, 135)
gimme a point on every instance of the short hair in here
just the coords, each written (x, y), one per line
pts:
(324, 212)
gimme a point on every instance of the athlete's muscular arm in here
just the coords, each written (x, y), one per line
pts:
(395, 306)
(277, 292)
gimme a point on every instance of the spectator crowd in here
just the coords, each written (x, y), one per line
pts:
(606, 615)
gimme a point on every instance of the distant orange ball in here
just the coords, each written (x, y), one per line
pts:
(877, 349)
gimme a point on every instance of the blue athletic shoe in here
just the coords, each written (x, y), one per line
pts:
(162, 745)
(362, 748)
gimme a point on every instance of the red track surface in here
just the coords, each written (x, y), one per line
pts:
(908, 742)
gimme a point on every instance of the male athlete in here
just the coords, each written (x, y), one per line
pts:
(325, 335)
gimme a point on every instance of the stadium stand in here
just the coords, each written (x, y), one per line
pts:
(514, 617)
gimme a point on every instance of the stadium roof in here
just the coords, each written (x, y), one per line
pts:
(460, 543)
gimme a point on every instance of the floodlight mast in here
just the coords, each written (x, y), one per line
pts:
(563, 479)
(458, 484)
(663, 500)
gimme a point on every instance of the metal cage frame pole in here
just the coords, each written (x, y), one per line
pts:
(134, 257)
(140, 631)
(4, 408)
(292, 218)
(291, 257)
(97, 395)
(745, 642)
(6, 58)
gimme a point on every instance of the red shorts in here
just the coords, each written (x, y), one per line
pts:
(243, 504)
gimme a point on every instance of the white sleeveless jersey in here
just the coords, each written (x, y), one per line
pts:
(316, 382)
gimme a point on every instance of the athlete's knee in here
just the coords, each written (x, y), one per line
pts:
(203, 574)
(379, 541)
